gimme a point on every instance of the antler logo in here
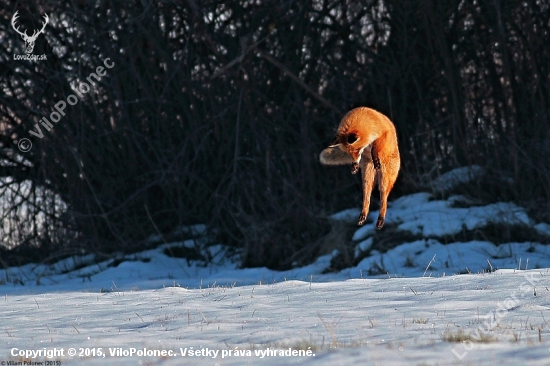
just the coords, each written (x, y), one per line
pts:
(29, 40)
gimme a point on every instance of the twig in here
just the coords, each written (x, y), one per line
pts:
(316, 95)
(245, 50)
(428, 266)
(330, 330)
(204, 318)
(490, 265)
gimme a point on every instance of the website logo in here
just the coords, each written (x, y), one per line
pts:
(29, 40)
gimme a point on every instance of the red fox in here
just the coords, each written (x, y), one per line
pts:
(367, 139)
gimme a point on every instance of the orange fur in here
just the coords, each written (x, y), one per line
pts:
(366, 139)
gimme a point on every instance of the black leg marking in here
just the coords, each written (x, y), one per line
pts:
(375, 159)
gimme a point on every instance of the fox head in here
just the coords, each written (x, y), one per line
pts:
(350, 142)
(354, 137)
(347, 149)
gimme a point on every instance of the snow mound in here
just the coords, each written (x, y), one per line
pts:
(457, 176)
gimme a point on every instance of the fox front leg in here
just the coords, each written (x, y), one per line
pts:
(354, 168)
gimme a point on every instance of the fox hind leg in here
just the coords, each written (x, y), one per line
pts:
(387, 175)
(368, 176)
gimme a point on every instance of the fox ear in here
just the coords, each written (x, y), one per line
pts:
(352, 138)
(334, 155)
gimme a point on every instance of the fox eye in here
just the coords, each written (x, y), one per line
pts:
(352, 138)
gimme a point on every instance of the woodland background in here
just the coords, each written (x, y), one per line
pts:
(215, 113)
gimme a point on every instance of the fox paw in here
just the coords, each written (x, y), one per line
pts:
(380, 223)
(362, 219)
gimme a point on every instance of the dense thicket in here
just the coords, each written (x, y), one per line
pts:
(215, 111)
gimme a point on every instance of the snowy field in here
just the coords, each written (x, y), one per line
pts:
(421, 303)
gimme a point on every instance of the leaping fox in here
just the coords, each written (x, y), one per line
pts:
(367, 139)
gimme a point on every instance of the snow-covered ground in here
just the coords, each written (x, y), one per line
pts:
(408, 306)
